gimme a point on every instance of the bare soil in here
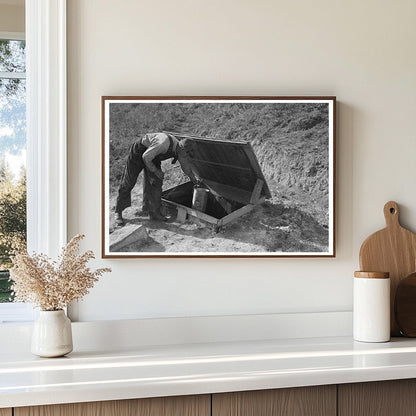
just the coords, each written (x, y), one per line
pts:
(270, 227)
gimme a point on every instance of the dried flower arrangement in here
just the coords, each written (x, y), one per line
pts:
(53, 285)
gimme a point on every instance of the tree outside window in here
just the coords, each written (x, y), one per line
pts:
(12, 155)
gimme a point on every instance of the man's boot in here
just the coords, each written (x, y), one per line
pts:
(154, 200)
(155, 216)
(144, 212)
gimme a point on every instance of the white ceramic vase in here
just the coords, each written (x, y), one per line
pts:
(52, 334)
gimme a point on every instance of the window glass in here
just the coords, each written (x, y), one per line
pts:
(12, 56)
(12, 156)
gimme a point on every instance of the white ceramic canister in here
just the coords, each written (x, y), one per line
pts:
(371, 310)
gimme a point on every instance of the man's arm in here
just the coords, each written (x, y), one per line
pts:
(158, 145)
(186, 166)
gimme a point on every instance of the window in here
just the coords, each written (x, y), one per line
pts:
(46, 134)
(12, 154)
(12, 164)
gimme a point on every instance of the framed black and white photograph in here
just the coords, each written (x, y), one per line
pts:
(218, 176)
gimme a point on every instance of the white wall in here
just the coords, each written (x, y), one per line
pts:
(361, 51)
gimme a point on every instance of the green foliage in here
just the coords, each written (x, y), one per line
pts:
(12, 213)
(12, 59)
(12, 55)
(6, 294)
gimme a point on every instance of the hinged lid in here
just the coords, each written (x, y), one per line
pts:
(228, 168)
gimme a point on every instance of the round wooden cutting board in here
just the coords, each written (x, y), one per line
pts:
(393, 250)
(405, 306)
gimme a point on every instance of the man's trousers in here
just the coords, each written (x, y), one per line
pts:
(152, 185)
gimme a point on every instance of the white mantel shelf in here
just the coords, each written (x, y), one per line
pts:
(151, 371)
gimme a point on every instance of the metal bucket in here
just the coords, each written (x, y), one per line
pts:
(200, 199)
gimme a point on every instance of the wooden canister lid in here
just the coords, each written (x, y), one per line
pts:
(372, 275)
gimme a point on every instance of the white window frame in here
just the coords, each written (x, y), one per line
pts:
(14, 312)
(46, 134)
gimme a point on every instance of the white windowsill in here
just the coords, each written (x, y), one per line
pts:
(16, 313)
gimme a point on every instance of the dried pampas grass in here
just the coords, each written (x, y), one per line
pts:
(53, 285)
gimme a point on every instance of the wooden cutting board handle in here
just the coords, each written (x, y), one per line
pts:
(393, 250)
(391, 214)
